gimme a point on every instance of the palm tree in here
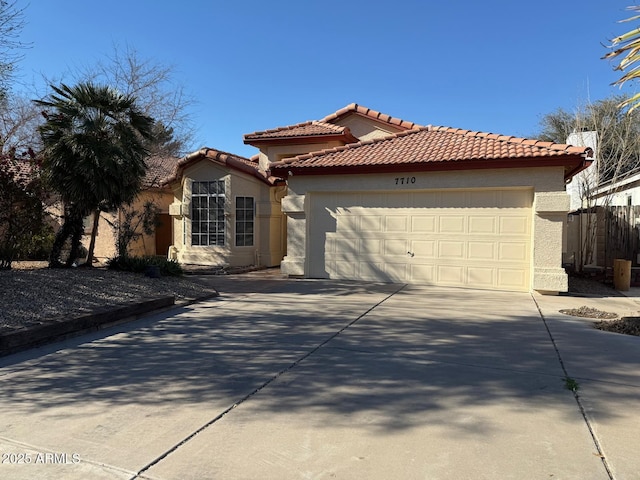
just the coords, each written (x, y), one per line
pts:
(627, 46)
(94, 154)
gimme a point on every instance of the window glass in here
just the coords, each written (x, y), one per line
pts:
(245, 213)
(207, 213)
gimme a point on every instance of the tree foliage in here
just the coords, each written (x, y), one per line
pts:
(618, 151)
(157, 95)
(21, 204)
(11, 24)
(132, 224)
(94, 149)
(19, 122)
(627, 48)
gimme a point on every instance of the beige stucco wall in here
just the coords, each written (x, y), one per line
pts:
(550, 206)
(366, 128)
(268, 247)
(275, 153)
(105, 247)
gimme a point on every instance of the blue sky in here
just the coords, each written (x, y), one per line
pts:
(493, 65)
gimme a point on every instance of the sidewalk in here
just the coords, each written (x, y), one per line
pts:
(606, 367)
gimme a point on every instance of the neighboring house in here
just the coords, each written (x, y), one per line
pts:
(604, 217)
(609, 228)
(581, 185)
(372, 197)
(158, 243)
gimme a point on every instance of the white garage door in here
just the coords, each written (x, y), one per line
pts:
(471, 238)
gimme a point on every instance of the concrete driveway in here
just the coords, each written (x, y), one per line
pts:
(280, 379)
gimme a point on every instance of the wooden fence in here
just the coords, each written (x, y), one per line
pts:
(621, 235)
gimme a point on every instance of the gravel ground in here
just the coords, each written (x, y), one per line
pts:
(625, 325)
(607, 321)
(32, 295)
(591, 287)
(589, 312)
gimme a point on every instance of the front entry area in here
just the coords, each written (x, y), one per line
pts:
(466, 238)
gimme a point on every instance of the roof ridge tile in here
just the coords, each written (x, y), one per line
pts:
(280, 129)
(367, 112)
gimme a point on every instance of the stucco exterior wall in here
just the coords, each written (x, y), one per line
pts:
(267, 249)
(366, 128)
(105, 246)
(275, 153)
(551, 203)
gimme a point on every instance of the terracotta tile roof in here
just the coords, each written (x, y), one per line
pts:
(367, 112)
(158, 169)
(305, 130)
(246, 165)
(21, 167)
(434, 148)
(321, 129)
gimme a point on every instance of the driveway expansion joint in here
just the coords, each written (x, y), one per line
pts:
(576, 397)
(139, 475)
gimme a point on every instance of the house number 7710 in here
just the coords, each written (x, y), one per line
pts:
(405, 180)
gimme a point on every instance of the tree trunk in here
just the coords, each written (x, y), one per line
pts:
(58, 243)
(94, 233)
(77, 228)
(72, 227)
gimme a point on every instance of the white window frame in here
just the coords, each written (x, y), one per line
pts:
(208, 222)
(245, 220)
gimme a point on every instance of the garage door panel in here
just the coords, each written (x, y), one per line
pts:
(513, 252)
(369, 246)
(344, 245)
(395, 200)
(343, 270)
(395, 247)
(451, 224)
(396, 272)
(482, 251)
(423, 223)
(483, 199)
(480, 225)
(451, 249)
(478, 239)
(453, 199)
(423, 248)
(512, 279)
(371, 271)
(450, 275)
(371, 223)
(422, 273)
(395, 223)
(482, 276)
(514, 225)
(348, 223)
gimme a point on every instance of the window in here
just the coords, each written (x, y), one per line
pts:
(207, 213)
(245, 212)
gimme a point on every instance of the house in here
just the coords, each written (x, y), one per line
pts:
(226, 211)
(365, 196)
(608, 228)
(153, 190)
(604, 219)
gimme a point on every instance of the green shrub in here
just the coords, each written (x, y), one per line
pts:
(36, 246)
(168, 268)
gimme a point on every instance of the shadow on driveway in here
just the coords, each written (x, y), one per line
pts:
(404, 357)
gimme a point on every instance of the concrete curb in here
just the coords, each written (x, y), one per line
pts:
(14, 342)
